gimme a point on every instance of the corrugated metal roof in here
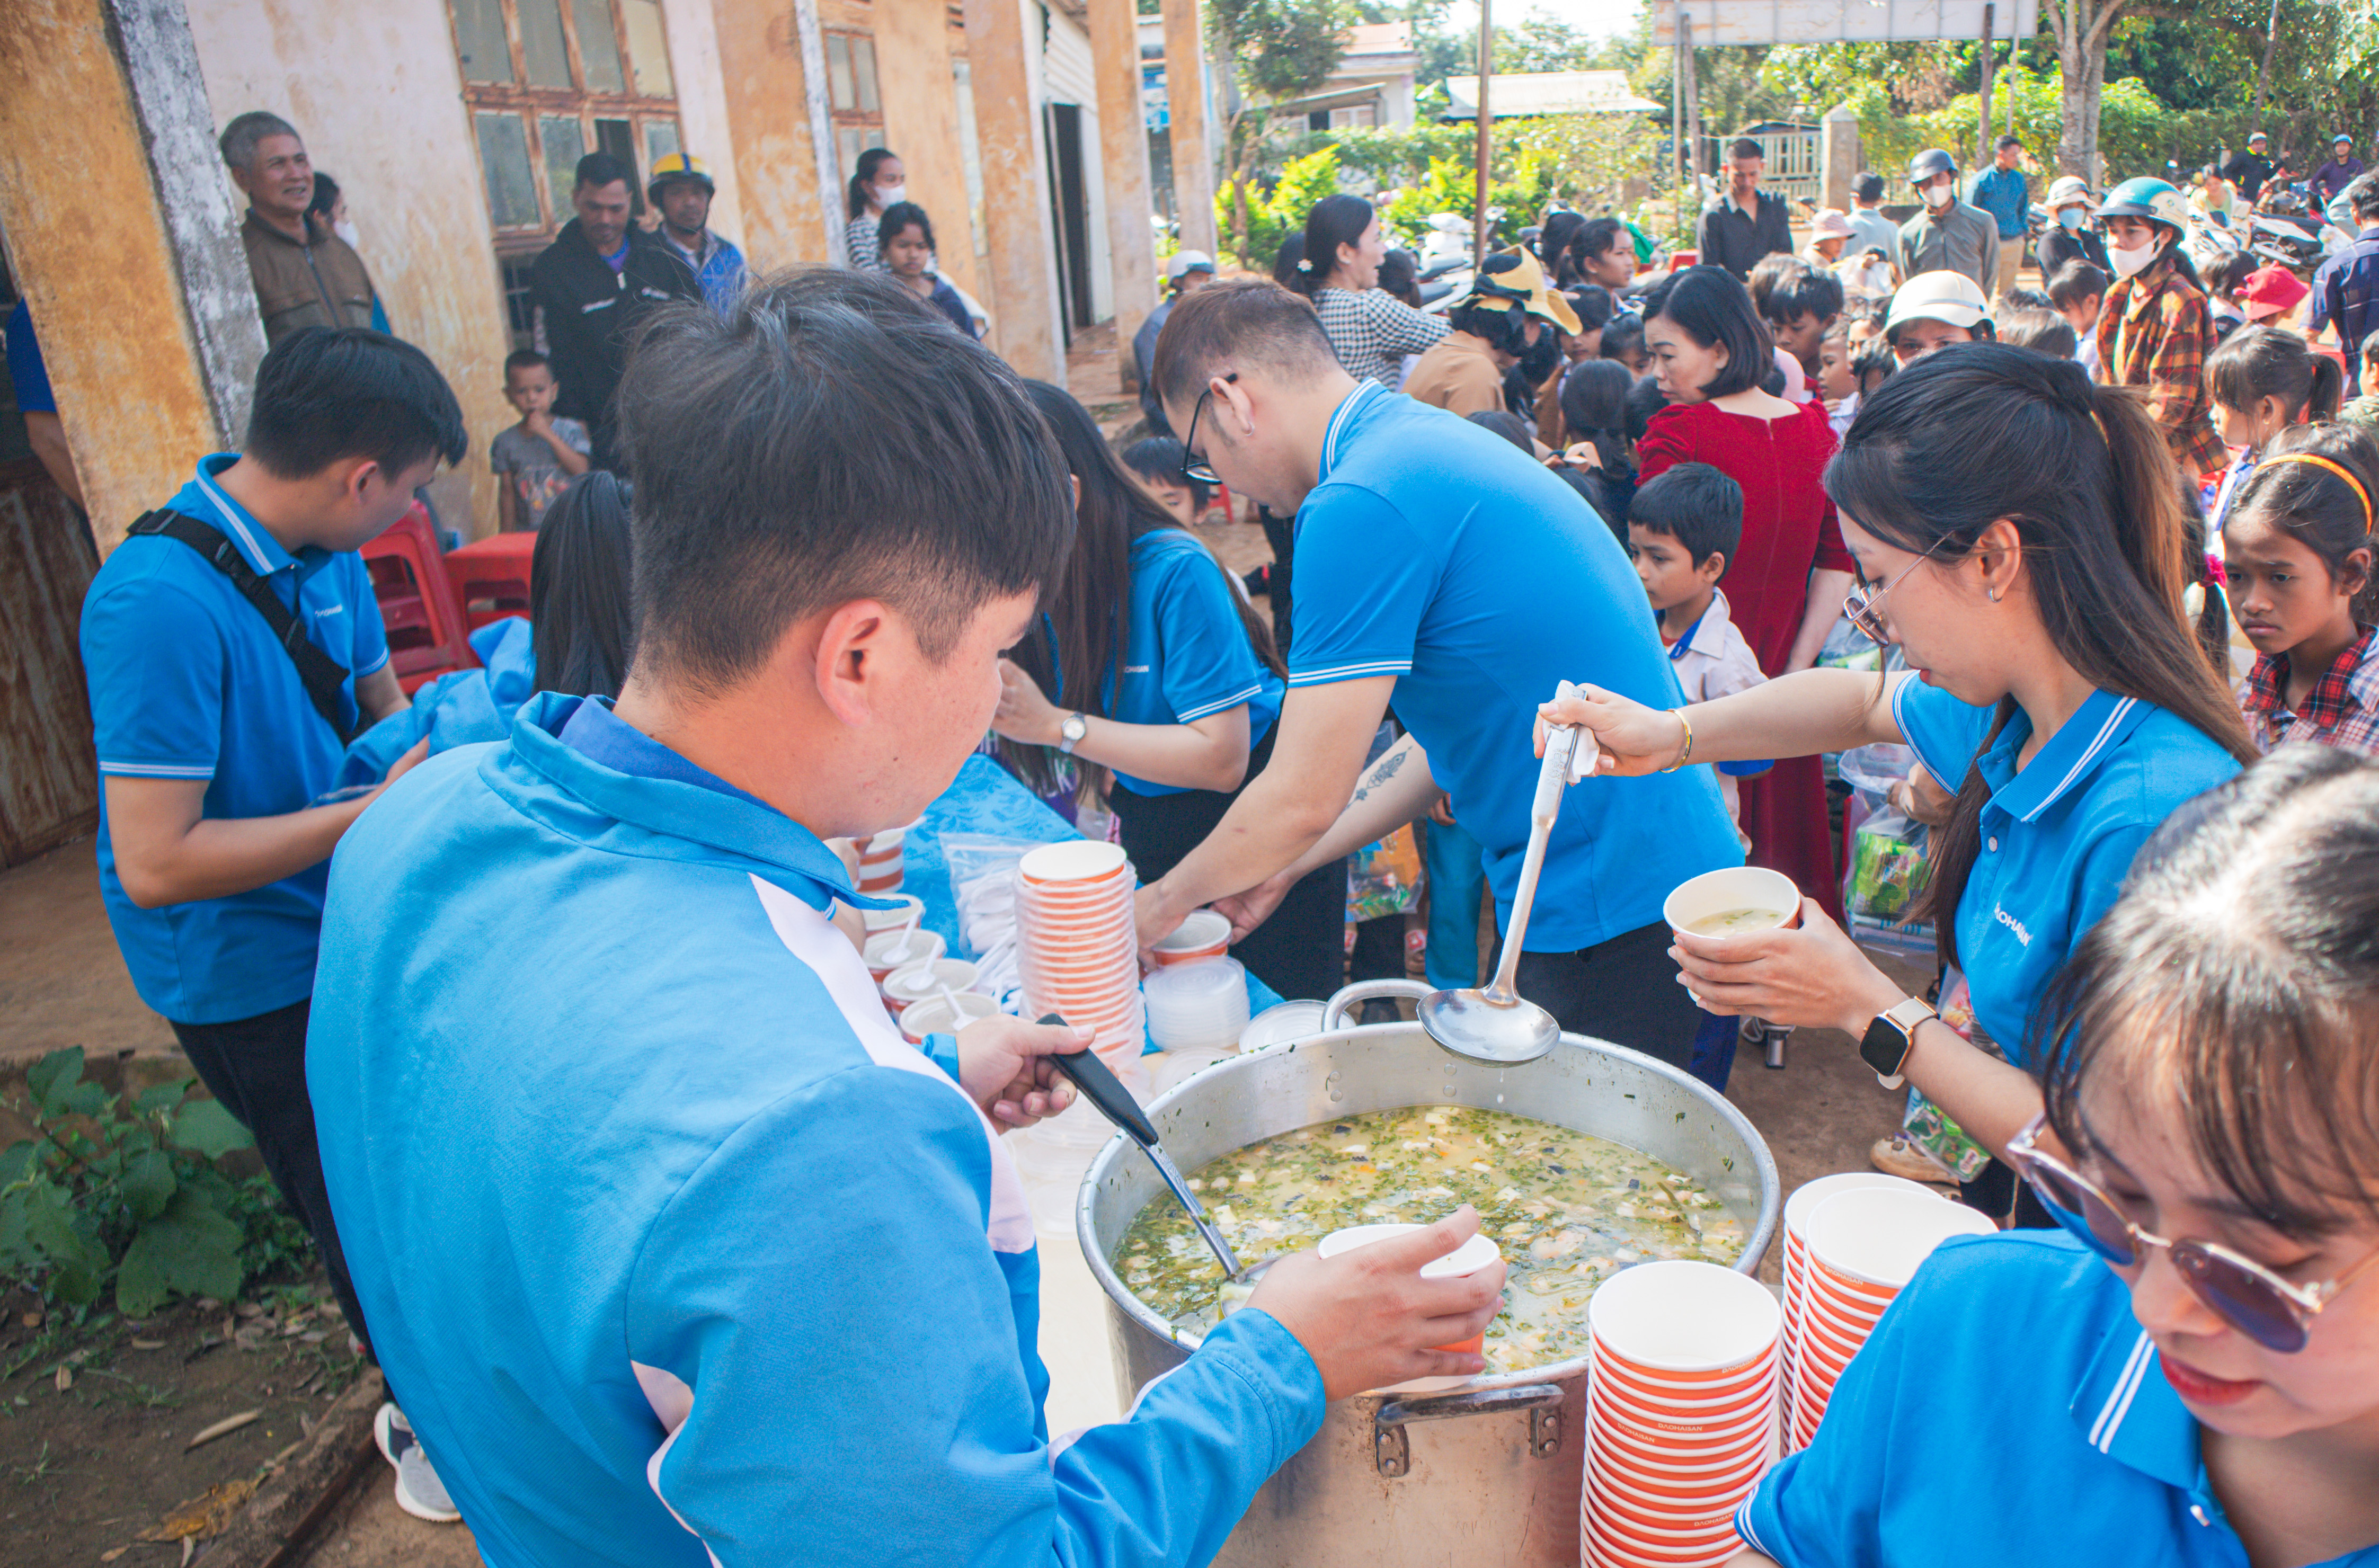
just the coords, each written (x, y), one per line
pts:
(1524, 93)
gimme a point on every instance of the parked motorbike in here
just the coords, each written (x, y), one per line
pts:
(2210, 240)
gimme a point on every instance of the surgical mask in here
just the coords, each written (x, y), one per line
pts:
(1937, 196)
(2129, 263)
(346, 232)
(2071, 219)
(890, 195)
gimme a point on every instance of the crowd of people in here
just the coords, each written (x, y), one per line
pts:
(739, 1269)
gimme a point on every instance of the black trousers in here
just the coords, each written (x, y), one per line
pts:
(1624, 990)
(1281, 534)
(256, 1067)
(1300, 951)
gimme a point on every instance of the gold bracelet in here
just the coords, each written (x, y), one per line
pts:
(1679, 714)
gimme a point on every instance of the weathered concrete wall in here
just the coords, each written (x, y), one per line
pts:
(913, 49)
(760, 73)
(1121, 158)
(373, 86)
(96, 261)
(1004, 46)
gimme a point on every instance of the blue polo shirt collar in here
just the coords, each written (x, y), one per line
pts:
(1343, 421)
(2070, 759)
(264, 553)
(616, 769)
(2128, 1413)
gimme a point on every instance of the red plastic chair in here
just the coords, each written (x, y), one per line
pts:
(490, 577)
(1680, 259)
(426, 635)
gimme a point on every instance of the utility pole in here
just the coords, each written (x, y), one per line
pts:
(1983, 135)
(1478, 203)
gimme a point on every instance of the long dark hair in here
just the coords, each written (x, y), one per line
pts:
(1087, 601)
(1334, 221)
(2236, 980)
(864, 175)
(1958, 440)
(2254, 363)
(579, 590)
(2320, 511)
(1594, 407)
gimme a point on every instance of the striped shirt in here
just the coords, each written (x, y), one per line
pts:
(1372, 331)
(859, 239)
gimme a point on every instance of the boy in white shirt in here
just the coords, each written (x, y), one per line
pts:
(1683, 527)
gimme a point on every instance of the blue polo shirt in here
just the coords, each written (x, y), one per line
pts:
(1435, 551)
(1186, 655)
(1951, 1443)
(186, 682)
(2005, 195)
(2057, 837)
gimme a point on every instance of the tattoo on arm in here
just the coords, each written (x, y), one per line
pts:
(1382, 774)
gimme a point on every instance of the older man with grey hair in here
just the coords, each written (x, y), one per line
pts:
(304, 275)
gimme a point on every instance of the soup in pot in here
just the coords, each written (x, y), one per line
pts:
(1569, 1209)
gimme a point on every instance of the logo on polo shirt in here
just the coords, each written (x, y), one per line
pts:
(329, 609)
(2012, 925)
(1135, 669)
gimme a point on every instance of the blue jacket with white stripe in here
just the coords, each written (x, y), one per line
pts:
(672, 1249)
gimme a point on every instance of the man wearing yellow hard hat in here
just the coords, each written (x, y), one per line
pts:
(681, 190)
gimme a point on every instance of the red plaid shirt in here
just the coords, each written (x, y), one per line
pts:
(2155, 332)
(2342, 709)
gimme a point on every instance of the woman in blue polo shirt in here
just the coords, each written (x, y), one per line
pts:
(2019, 536)
(2197, 1377)
(1163, 676)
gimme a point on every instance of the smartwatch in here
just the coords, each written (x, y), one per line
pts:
(1888, 1039)
(1070, 733)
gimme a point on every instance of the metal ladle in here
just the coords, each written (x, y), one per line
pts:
(1103, 1090)
(1498, 1025)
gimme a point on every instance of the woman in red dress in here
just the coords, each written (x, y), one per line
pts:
(1785, 585)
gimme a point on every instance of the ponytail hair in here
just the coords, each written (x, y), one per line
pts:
(2321, 512)
(582, 627)
(2254, 363)
(1955, 442)
(1333, 221)
(863, 176)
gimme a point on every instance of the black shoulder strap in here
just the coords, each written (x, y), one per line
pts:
(322, 675)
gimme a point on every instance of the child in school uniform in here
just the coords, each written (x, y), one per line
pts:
(2298, 551)
(1683, 527)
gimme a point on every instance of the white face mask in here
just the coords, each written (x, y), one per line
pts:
(2129, 262)
(892, 195)
(1937, 196)
(346, 232)
(2071, 218)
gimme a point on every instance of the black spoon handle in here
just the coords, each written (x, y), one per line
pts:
(1106, 1090)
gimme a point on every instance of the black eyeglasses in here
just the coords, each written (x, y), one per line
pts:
(1194, 468)
(2274, 1312)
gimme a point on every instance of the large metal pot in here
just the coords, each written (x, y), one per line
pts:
(1486, 1474)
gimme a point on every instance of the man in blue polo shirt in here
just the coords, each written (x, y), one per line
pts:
(679, 1253)
(1464, 582)
(215, 741)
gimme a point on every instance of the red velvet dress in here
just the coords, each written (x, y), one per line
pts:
(1789, 530)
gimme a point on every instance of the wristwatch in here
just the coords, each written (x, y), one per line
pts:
(1070, 733)
(1888, 1039)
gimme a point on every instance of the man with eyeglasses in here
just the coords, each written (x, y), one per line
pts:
(1440, 567)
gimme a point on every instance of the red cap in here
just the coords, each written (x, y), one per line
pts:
(2271, 291)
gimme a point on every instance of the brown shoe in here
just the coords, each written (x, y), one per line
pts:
(1897, 1156)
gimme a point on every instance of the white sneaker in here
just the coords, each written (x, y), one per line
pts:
(418, 1491)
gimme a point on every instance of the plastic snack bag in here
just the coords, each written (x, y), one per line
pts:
(1925, 1124)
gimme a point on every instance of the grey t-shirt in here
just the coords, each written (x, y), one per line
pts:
(535, 475)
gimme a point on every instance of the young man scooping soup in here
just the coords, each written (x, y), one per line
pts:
(678, 1253)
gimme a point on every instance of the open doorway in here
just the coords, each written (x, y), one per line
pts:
(1069, 211)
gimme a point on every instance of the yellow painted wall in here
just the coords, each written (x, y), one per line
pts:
(92, 258)
(374, 88)
(914, 43)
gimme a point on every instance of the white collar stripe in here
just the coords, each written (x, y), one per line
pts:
(247, 545)
(2119, 1398)
(1338, 427)
(2098, 742)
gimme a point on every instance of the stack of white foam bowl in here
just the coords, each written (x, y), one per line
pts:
(1198, 1006)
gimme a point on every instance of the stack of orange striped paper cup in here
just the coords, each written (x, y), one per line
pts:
(1862, 1246)
(883, 861)
(1076, 951)
(1797, 1210)
(1681, 1414)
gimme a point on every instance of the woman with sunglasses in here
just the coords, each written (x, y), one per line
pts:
(2019, 535)
(2197, 1377)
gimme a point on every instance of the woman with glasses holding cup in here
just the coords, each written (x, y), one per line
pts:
(2197, 1375)
(2018, 533)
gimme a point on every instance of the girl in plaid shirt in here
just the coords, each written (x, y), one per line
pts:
(2299, 548)
(1369, 329)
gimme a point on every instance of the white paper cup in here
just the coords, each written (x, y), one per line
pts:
(933, 1015)
(1735, 888)
(1879, 1236)
(1683, 1316)
(1073, 861)
(914, 983)
(896, 917)
(1202, 934)
(884, 950)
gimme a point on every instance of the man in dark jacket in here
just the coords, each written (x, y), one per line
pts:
(304, 276)
(599, 277)
(2253, 170)
(1747, 223)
